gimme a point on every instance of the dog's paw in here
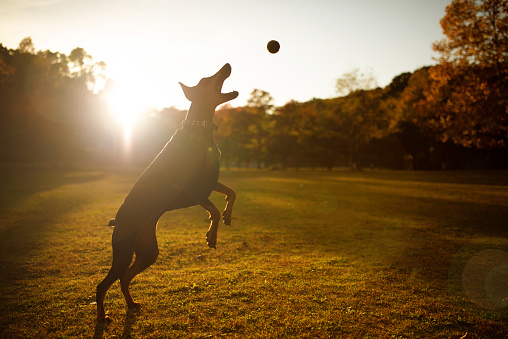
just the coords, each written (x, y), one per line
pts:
(211, 238)
(226, 217)
(104, 319)
(211, 244)
(134, 306)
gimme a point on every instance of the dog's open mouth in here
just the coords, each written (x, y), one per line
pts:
(222, 75)
(219, 86)
(206, 87)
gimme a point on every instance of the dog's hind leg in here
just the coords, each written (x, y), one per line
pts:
(147, 251)
(123, 250)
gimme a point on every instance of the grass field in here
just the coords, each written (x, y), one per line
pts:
(376, 254)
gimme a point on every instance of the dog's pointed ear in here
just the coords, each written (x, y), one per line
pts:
(187, 91)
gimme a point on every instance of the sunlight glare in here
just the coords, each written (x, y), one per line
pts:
(126, 105)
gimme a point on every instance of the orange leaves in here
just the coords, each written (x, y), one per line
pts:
(476, 33)
(467, 99)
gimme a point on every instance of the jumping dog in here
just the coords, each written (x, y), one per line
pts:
(183, 174)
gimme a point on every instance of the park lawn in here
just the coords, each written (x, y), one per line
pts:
(310, 254)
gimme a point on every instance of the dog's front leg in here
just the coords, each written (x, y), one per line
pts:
(211, 235)
(230, 201)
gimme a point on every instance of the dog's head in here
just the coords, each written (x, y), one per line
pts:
(208, 90)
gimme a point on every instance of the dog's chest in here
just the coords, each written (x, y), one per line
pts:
(193, 151)
(212, 155)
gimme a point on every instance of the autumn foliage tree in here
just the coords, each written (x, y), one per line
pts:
(44, 95)
(259, 108)
(467, 102)
(230, 137)
(362, 115)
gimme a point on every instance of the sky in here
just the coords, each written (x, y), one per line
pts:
(149, 46)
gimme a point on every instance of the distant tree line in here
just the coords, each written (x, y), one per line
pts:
(382, 128)
(452, 115)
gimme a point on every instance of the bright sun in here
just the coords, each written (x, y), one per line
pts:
(126, 105)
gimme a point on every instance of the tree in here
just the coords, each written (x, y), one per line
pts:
(358, 119)
(83, 68)
(259, 109)
(261, 101)
(300, 136)
(43, 105)
(5, 70)
(467, 102)
(26, 46)
(231, 134)
(355, 80)
(285, 148)
(410, 135)
(359, 115)
(476, 34)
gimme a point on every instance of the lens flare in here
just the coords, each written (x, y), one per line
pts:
(126, 105)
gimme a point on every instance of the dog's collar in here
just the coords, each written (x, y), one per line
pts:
(202, 123)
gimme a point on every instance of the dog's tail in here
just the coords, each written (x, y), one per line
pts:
(112, 222)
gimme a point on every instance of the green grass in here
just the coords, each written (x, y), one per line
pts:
(376, 254)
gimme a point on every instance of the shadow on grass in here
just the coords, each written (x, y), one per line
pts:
(29, 211)
(28, 204)
(99, 330)
(491, 178)
(412, 221)
(19, 183)
(130, 319)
